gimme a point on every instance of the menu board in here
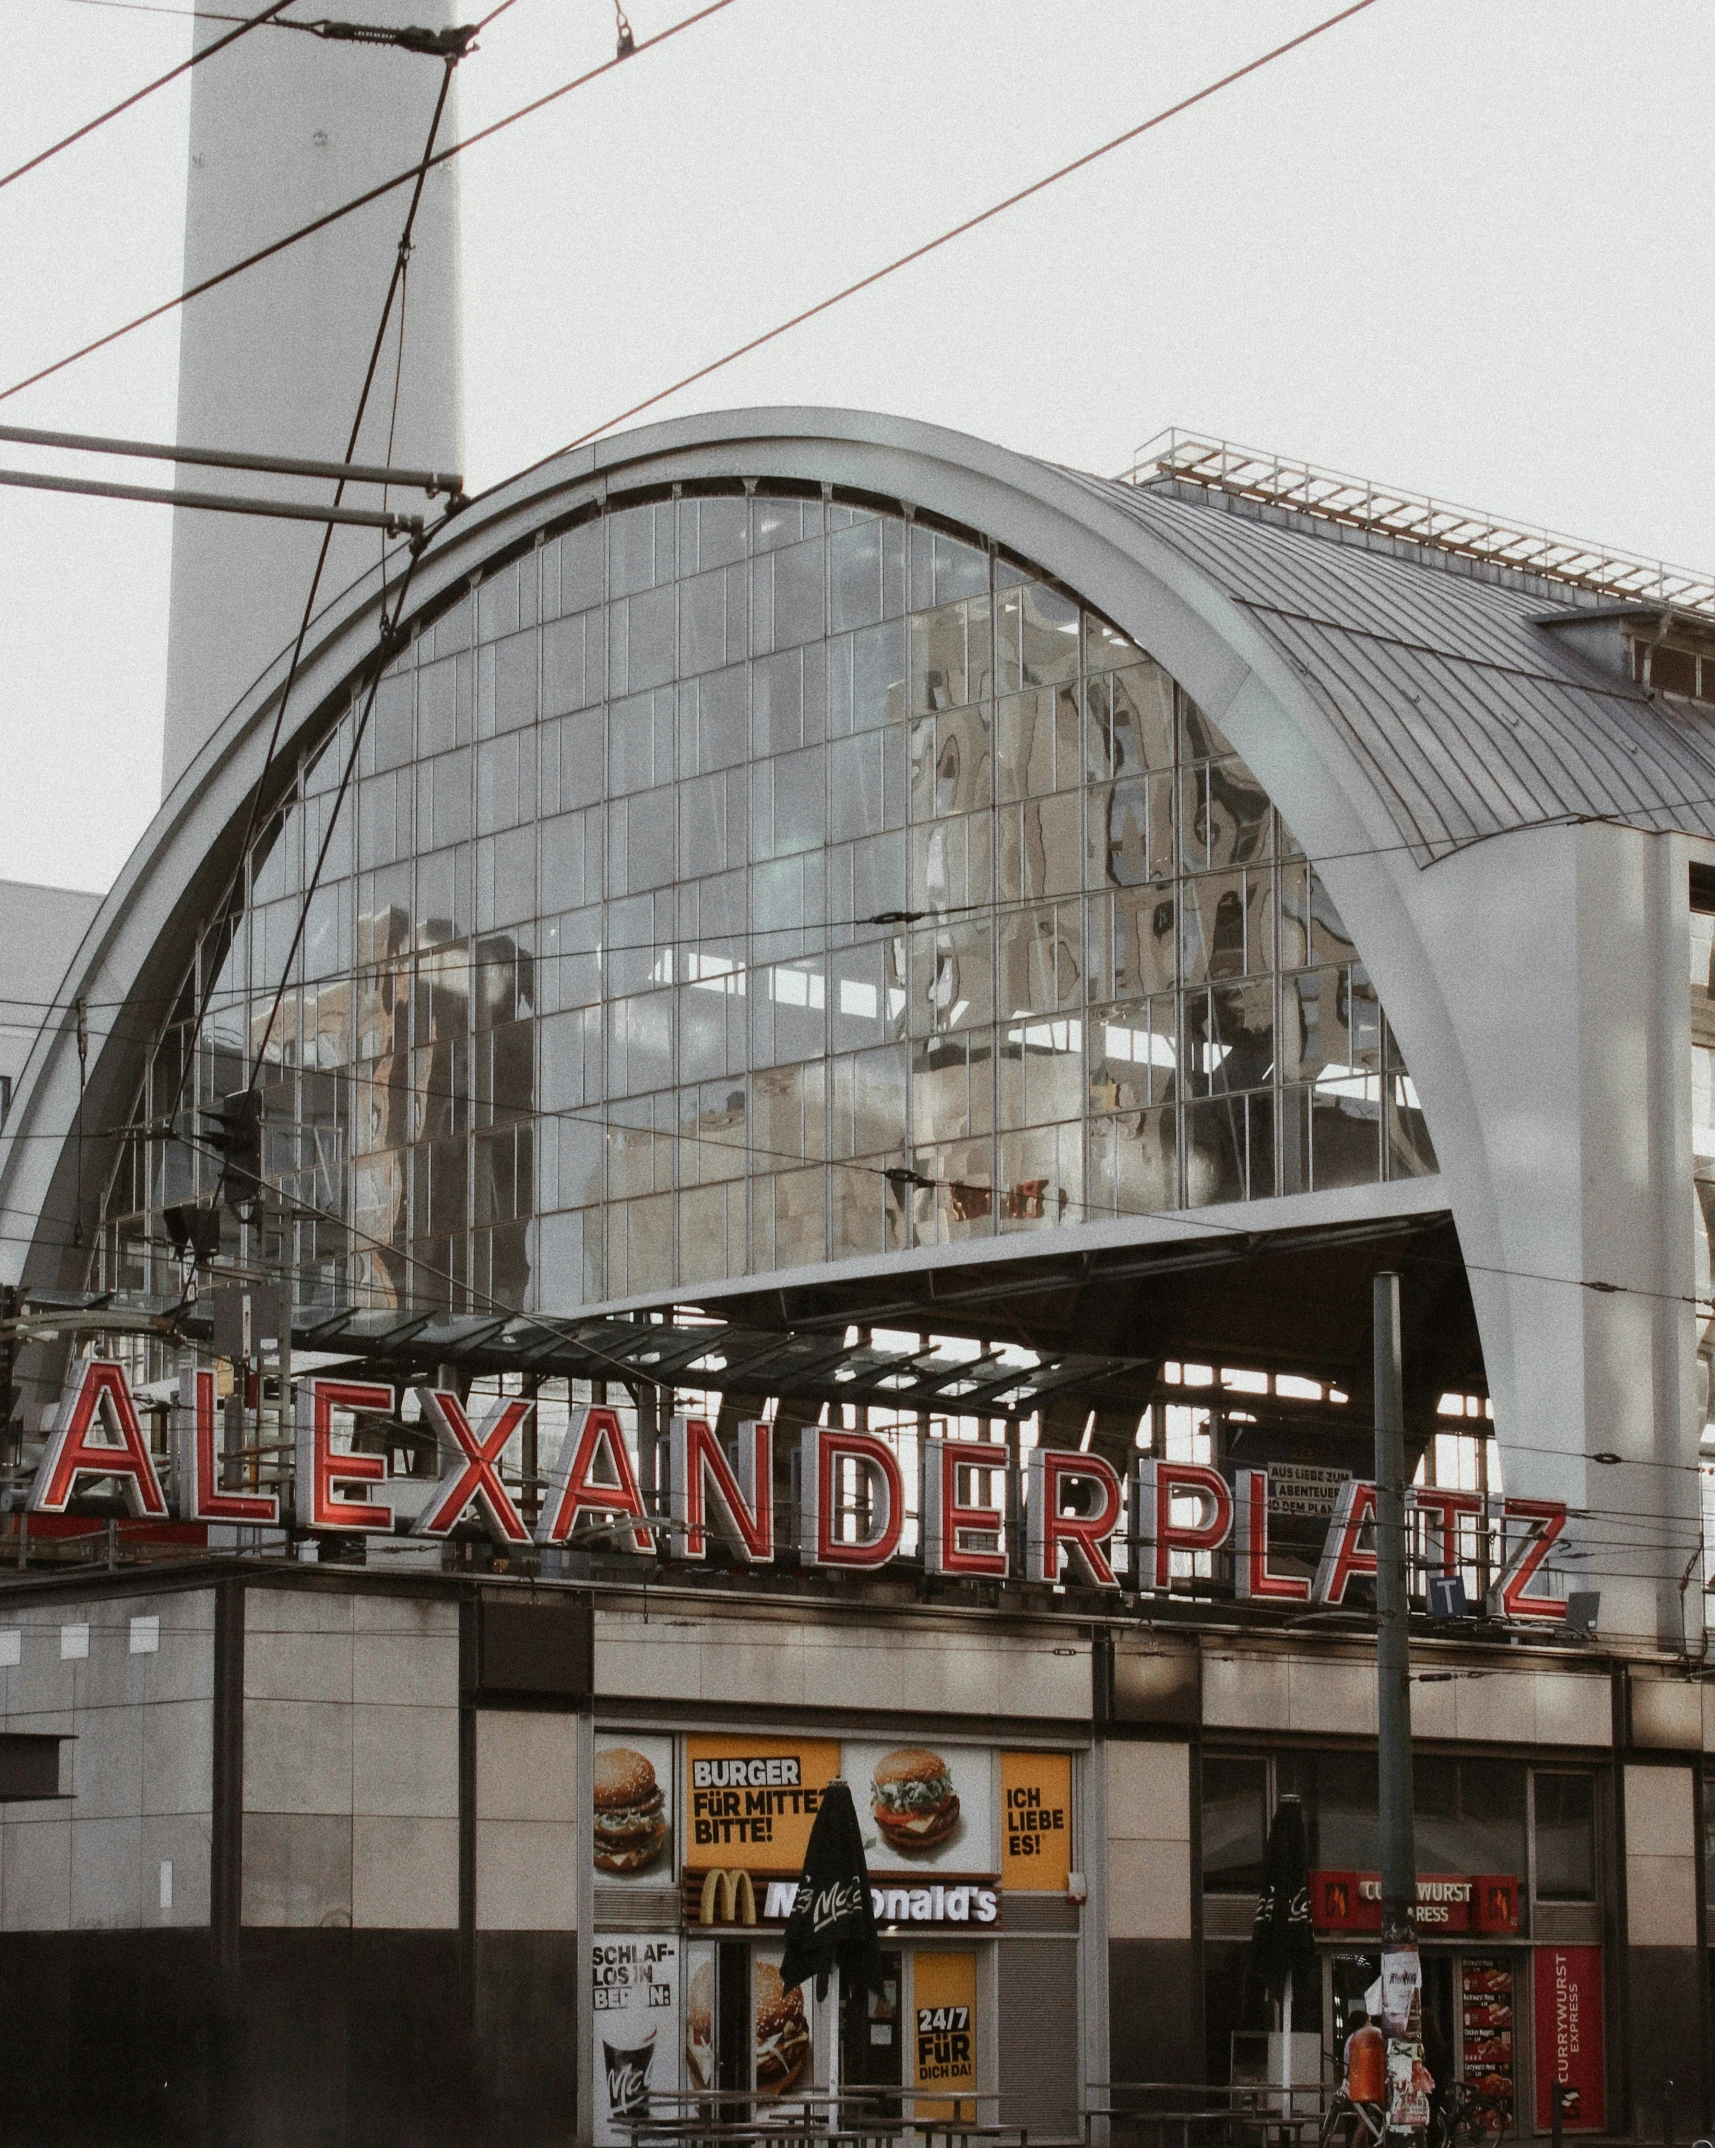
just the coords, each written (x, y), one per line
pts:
(1486, 2050)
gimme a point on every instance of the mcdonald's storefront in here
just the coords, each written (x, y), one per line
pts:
(698, 1837)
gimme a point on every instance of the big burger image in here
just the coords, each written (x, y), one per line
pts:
(700, 2025)
(782, 2034)
(913, 1799)
(630, 1812)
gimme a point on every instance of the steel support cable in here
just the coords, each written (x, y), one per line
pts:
(362, 201)
(971, 223)
(245, 25)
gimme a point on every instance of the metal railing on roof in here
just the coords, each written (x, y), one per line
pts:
(1357, 503)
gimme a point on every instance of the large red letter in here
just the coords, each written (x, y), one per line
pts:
(1159, 1483)
(470, 1465)
(1354, 1512)
(947, 1520)
(707, 1496)
(1446, 1506)
(97, 1389)
(824, 1448)
(196, 1461)
(1517, 1598)
(1083, 1536)
(322, 1470)
(1252, 1580)
(594, 1437)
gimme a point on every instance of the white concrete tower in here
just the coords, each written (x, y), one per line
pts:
(285, 126)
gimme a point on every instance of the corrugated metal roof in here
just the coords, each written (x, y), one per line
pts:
(1470, 715)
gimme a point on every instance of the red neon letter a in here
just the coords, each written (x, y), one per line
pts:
(96, 1390)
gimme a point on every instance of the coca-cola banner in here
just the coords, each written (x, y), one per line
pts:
(1569, 2038)
(637, 2007)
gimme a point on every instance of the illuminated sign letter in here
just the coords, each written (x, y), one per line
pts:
(323, 1470)
(1083, 1536)
(947, 1521)
(470, 1465)
(1354, 1512)
(97, 1392)
(595, 1441)
(196, 1461)
(1159, 1484)
(1546, 1519)
(1252, 1580)
(824, 1450)
(709, 1497)
(1446, 1507)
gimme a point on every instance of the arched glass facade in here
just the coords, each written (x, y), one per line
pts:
(739, 882)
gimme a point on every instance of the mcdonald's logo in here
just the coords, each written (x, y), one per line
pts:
(727, 1898)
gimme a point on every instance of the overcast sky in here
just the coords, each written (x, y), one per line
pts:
(1457, 245)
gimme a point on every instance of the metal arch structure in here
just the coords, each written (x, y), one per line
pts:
(1533, 976)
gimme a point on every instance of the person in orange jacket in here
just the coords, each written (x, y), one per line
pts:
(1366, 2063)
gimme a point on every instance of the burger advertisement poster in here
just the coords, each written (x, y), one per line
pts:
(637, 2011)
(923, 1808)
(750, 1803)
(780, 2022)
(632, 1795)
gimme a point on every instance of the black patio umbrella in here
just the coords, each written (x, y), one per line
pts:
(833, 1918)
(1283, 1942)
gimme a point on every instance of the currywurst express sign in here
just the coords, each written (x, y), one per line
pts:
(723, 1505)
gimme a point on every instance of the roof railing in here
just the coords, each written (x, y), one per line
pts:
(1357, 503)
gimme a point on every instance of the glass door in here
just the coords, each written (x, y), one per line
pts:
(872, 2042)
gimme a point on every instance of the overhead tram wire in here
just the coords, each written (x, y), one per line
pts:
(245, 25)
(374, 193)
(970, 223)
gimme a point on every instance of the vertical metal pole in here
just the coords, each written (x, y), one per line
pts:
(1393, 1662)
(1401, 2002)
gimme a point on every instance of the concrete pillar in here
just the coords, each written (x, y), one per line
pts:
(283, 127)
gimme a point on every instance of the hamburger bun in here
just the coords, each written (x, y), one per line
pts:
(913, 1799)
(630, 1811)
(782, 2034)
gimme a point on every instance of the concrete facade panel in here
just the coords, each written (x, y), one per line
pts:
(1149, 1791)
(106, 1862)
(107, 1762)
(37, 1877)
(406, 1653)
(297, 1757)
(1661, 1901)
(1246, 1692)
(404, 1761)
(1326, 1696)
(1149, 1890)
(404, 1874)
(1573, 1710)
(526, 1876)
(1660, 1814)
(296, 1611)
(178, 1757)
(297, 1666)
(297, 1869)
(181, 1840)
(526, 1766)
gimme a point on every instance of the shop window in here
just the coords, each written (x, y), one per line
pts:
(1470, 1815)
(1565, 1838)
(1235, 1796)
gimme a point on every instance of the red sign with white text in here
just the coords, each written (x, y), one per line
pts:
(1569, 2038)
(1446, 1902)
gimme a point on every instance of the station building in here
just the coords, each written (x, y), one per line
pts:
(803, 921)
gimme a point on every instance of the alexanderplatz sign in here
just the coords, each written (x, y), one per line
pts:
(725, 1504)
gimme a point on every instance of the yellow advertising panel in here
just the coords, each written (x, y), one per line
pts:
(750, 1802)
(1036, 1822)
(944, 2020)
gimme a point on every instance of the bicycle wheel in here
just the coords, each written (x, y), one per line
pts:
(1479, 2121)
(1333, 2119)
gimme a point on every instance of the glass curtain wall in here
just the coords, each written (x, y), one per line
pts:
(735, 883)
